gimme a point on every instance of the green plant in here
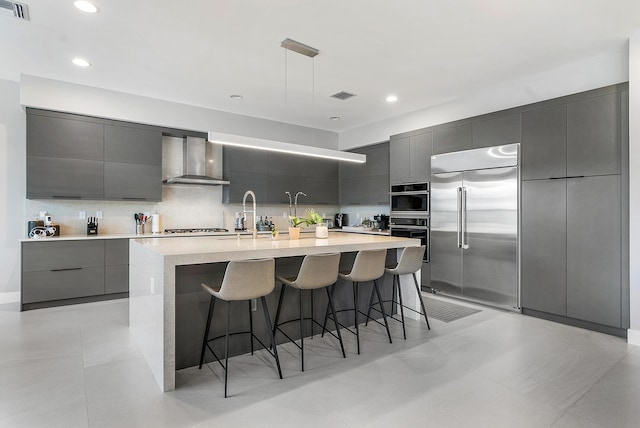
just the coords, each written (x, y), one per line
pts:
(366, 222)
(297, 221)
(312, 217)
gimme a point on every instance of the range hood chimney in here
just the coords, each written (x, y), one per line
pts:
(200, 162)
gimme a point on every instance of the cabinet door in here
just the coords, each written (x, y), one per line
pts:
(452, 139)
(132, 181)
(593, 136)
(244, 160)
(378, 159)
(544, 246)
(321, 191)
(594, 249)
(132, 145)
(400, 160)
(420, 151)
(45, 285)
(322, 168)
(64, 138)
(354, 190)
(279, 184)
(352, 169)
(116, 252)
(544, 143)
(50, 177)
(116, 279)
(286, 164)
(378, 190)
(241, 182)
(497, 131)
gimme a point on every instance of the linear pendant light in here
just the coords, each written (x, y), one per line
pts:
(280, 146)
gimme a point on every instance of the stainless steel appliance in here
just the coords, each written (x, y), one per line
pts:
(381, 221)
(410, 199)
(474, 225)
(412, 227)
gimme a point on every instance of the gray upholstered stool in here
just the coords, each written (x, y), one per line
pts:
(368, 266)
(410, 262)
(243, 280)
(316, 271)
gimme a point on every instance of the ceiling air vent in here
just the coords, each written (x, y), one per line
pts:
(11, 8)
(342, 95)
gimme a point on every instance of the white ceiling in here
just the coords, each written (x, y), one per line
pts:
(201, 51)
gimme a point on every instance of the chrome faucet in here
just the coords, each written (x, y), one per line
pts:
(289, 195)
(244, 210)
(295, 204)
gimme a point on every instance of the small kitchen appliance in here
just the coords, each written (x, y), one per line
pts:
(381, 221)
(341, 220)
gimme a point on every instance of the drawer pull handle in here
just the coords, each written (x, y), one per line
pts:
(61, 270)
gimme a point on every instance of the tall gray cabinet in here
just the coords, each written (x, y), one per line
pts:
(366, 183)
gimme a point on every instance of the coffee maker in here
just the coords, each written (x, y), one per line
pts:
(381, 221)
(341, 220)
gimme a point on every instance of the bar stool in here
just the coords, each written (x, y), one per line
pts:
(368, 266)
(410, 262)
(243, 280)
(316, 271)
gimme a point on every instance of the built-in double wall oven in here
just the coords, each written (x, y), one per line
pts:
(409, 216)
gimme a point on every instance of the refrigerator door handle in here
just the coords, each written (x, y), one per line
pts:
(459, 216)
(463, 217)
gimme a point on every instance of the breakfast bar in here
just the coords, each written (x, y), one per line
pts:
(154, 280)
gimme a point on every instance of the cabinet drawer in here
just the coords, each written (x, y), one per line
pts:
(117, 279)
(56, 285)
(116, 252)
(47, 256)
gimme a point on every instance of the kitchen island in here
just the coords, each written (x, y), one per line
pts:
(154, 280)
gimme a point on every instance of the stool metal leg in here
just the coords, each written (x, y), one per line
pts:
(355, 313)
(335, 320)
(326, 314)
(384, 314)
(226, 349)
(366, 322)
(251, 324)
(396, 280)
(424, 310)
(206, 330)
(275, 323)
(267, 320)
(301, 331)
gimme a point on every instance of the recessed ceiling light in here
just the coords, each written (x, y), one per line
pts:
(236, 97)
(392, 99)
(335, 118)
(85, 6)
(81, 62)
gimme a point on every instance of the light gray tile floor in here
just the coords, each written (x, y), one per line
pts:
(79, 366)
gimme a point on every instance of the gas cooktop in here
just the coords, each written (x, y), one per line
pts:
(196, 230)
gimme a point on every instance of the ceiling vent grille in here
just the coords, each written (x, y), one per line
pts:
(342, 95)
(11, 8)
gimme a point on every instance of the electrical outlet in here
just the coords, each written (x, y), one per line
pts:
(82, 215)
(98, 214)
(284, 215)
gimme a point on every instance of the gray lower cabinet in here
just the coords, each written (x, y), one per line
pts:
(571, 248)
(544, 246)
(55, 271)
(594, 250)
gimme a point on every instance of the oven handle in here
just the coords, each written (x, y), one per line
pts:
(418, 192)
(392, 227)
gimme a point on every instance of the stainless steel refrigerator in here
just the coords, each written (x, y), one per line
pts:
(475, 205)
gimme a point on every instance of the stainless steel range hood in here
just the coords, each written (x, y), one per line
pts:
(201, 163)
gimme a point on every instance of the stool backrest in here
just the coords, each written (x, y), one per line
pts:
(248, 279)
(319, 270)
(369, 265)
(410, 260)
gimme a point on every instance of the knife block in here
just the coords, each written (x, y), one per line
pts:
(92, 229)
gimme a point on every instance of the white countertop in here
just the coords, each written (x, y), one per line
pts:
(134, 236)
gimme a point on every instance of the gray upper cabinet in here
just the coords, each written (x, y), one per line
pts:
(496, 131)
(286, 164)
(133, 145)
(320, 191)
(410, 158)
(594, 249)
(241, 182)
(368, 183)
(278, 185)
(245, 160)
(593, 136)
(322, 168)
(452, 139)
(132, 181)
(544, 246)
(78, 157)
(544, 143)
(400, 160)
(64, 137)
(52, 177)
